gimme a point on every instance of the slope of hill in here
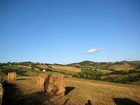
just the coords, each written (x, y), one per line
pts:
(66, 68)
(78, 92)
(123, 65)
(122, 72)
(82, 90)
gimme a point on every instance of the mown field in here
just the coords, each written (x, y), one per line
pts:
(25, 91)
(86, 83)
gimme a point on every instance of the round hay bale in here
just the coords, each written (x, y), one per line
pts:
(12, 76)
(54, 85)
(1, 93)
(40, 80)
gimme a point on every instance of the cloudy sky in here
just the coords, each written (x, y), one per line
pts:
(65, 31)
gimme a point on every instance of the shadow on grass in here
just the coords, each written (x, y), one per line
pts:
(11, 94)
(37, 98)
(23, 74)
(125, 101)
(68, 89)
(88, 102)
(33, 99)
(66, 101)
(24, 79)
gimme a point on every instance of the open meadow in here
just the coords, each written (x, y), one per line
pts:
(25, 91)
(83, 85)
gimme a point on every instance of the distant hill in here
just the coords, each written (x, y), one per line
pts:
(122, 64)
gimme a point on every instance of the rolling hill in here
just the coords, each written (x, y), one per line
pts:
(86, 83)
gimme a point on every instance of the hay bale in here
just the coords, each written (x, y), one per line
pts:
(1, 93)
(54, 85)
(40, 80)
(12, 76)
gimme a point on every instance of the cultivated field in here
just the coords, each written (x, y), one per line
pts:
(121, 67)
(66, 68)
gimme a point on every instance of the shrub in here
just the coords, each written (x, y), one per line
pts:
(125, 80)
(88, 74)
(109, 79)
(12, 68)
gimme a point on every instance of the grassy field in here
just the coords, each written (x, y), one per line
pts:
(78, 92)
(120, 67)
(66, 68)
(82, 90)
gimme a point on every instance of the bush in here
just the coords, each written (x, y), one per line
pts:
(109, 79)
(119, 72)
(125, 80)
(76, 75)
(12, 68)
(88, 74)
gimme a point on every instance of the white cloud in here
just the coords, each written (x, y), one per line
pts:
(94, 50)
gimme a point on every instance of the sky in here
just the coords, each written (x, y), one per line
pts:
(67, 31)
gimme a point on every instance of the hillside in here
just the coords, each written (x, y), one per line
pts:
(66, 68)
(111, 65)
(85, 84)
(78, 92)
(122, 72)
(127, 72)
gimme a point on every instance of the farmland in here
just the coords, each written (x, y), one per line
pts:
(82, 90)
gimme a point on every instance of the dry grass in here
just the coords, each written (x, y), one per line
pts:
(3, 76)
(80, 91)
(104, 71)
(121, 67)
(136, 83)
(66, 68)
(101, 93)
(111, 75)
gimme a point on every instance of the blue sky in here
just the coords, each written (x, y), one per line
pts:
(65, 31)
